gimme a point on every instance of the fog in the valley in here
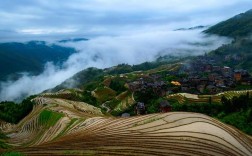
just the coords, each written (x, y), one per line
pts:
(108, 51)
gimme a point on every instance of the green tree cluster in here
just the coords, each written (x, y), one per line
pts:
(13, 113)
(117, 85)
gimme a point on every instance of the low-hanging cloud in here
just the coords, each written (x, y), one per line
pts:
(29, 18)
(106, 51)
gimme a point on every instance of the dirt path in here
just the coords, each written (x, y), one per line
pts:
(106, 107)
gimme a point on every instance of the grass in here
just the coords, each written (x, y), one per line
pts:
(146, 121)
(242, 87)
(239, 120)
(12, 154)
(113, 103)
(49, 118)
(123, 95)
(67, 128)
(104, 94)
(3, 144)
(76, 152)
(3, 141)
(46, 119)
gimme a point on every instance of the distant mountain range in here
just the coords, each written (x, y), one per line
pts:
(29, 57)
(192, 28)
(73, 40)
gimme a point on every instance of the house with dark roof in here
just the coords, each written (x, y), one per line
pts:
(165, 106)
(140, 108)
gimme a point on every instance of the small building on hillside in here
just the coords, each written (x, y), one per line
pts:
(211, 88)
(216, 68)
(140, 108)
(237, 75)
(201, 88)
(208, 68)
(165, 106)
(125, 115)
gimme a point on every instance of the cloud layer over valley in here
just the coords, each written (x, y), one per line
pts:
(106, 51)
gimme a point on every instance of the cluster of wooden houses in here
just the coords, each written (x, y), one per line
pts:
(200, 78)
(152, 82)
(207, 78)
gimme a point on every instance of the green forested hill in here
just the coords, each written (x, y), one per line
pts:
(237, 54)
(30, 57)
(237, 26)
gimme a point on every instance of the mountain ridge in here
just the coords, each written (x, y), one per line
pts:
(29, 57)
(235, 27)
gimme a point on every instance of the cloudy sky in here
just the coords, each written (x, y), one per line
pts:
(60, 18)
(120, 31)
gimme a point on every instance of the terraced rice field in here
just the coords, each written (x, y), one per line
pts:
(126, 100)
(62, 127)
(191, 98)
(64, 94)
(103, 94)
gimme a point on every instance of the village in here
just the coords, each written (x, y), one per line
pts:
(200, 76)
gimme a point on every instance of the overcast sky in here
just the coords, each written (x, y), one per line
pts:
(63, 18)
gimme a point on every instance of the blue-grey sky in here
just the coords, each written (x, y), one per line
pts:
(36, 18)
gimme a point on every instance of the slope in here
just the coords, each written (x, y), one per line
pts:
(237, 26)
(156, 134)
(29, 57)
(63, 127)
(238, 54)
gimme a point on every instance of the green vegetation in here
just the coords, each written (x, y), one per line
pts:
(237, 55)
(121, 69)
(238, 112)
(13, 113)
(83, 77)
(81, 152)
(243, 87)
(148, 97)
(238, 26)
(117, 84)
(130, 110)
(69, 125)
(112, 103)
(88, 98)
(125, 68)
(147, 121)
(31, 57)
(3, 137)
(241, 120)
(104, 94)
(49, 118)
(12, 154)
(205, 108)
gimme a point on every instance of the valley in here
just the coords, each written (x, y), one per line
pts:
(173, 105)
